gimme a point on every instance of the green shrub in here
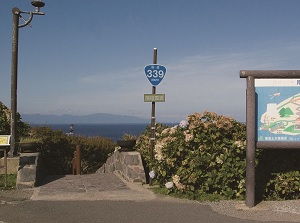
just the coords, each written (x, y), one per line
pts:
(285, 186)
(56, 150)
(94, 151)
(277, 174)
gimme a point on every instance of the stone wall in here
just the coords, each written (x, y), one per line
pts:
(30, 170)
(12, 165)
(128, 164)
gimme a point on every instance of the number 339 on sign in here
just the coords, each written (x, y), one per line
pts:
(155, 73)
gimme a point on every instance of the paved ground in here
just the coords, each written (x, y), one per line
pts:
(108, 198)
(90, 187)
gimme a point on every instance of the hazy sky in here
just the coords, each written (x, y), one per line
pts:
(86, 57)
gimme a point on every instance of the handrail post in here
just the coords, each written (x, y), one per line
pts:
(78, 160)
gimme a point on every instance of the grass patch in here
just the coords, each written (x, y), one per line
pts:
(11, 181)
(198, 196)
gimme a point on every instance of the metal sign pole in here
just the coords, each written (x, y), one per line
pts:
(152, 139)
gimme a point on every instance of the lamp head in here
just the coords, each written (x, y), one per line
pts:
(38, 4)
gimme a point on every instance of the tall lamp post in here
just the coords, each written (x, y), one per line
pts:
(14, 65)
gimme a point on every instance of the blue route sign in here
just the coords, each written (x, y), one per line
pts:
(155, 73)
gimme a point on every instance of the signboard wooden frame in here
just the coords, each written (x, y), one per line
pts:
(251, 121)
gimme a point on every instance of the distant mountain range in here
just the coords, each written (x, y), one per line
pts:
(98, 118)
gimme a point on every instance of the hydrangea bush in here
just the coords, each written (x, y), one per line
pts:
(203, 154)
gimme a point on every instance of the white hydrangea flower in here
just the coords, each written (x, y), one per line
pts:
(183, 123)
(188, 136)
(158, 157)
(241, 184)
(240, 144)
(158, 153)
(152, 174)
(178, 185)
(173, 129)
(219, 160)
(165, 131)
(176, 179)
(169, 185)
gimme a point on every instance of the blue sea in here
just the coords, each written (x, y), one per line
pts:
(112, 131)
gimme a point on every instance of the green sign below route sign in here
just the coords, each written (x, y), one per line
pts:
(154, 97)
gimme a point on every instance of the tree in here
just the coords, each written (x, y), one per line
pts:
(22, 128)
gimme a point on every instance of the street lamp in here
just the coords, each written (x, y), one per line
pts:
(14, 65)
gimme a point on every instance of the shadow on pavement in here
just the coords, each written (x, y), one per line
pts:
(50, 178)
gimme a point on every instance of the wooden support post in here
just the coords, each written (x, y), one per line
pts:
(78, 160)
(250, 147)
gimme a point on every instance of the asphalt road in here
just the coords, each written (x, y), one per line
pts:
(107, 198)
(111, 211)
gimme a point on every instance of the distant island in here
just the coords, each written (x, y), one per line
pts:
(99, 118)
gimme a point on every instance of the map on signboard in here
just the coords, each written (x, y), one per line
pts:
(278, 109)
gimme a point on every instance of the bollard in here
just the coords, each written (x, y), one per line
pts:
(76, 162)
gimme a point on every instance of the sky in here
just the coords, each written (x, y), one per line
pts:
(86, 57)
